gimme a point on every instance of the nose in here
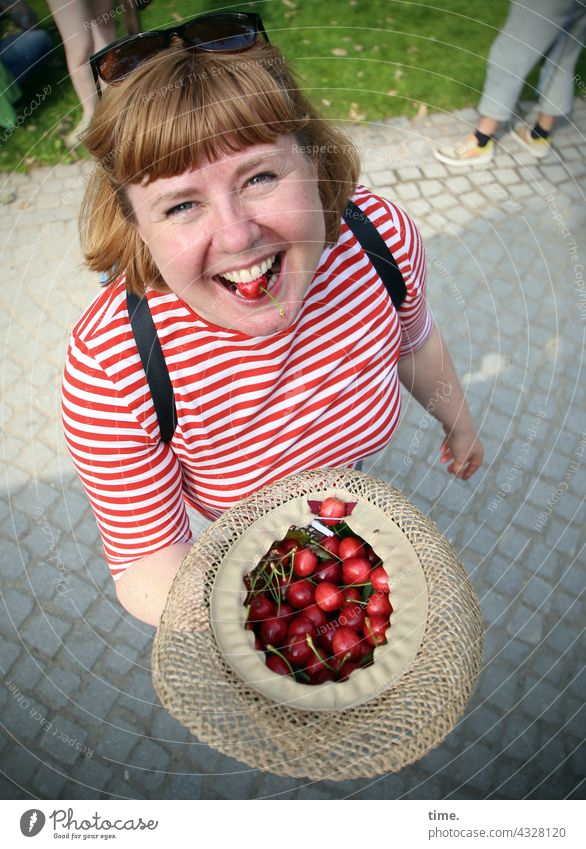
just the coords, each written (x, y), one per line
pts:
(234, 228)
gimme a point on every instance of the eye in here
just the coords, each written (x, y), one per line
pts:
(184, 206)
(263, 178)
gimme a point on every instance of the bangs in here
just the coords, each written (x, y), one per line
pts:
(183, 106)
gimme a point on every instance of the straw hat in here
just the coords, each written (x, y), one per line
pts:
(385, 717)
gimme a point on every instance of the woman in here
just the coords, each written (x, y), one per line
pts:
(220, 192)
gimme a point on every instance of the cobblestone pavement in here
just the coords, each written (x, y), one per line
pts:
(79, 714)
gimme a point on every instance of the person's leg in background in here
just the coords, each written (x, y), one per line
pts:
(103, 23)
(556, 85)
(23, 53)
(526, 36)
(76, 21)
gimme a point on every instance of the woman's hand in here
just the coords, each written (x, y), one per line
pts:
(463, 451)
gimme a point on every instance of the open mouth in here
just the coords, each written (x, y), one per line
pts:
(252, 283)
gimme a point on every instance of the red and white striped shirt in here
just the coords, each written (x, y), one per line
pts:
(250, 410)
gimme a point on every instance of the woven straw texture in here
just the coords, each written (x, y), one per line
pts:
(385, 734)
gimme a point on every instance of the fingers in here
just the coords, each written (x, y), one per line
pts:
(460, 468)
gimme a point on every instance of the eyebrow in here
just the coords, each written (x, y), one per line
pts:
(243, 167)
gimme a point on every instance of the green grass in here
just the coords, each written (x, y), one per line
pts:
(362, 60)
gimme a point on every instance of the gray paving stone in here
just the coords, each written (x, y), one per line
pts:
(94, 775)
(9, 651)
(21, 717)
(64, 740)
(45, 634)
(58, 687)
(183, 787)
(105, 615)
(49, 783)
(11, 560)
(18, 607)
(25, 672)
(525, 624)
(116, 742)
(98, 697)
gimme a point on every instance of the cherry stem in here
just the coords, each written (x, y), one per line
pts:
(311, 645)
(282, 656)
(274, 300)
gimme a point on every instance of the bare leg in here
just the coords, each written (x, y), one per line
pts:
(103, 23)
(131, 20)
(73, 20)
(487, 126)
(546, 122)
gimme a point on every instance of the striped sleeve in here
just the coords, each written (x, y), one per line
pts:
(134, 482)
(405, 243)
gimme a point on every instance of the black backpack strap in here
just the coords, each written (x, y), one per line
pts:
(378, 252)
(153, 361)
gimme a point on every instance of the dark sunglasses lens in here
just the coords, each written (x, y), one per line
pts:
(121, 61)
(224, 34)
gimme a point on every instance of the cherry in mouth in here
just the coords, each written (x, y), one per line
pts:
(254, 289)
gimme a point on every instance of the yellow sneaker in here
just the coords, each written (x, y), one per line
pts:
(540, 148)
(465, 152)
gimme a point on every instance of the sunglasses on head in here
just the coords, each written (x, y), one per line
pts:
(229, 32)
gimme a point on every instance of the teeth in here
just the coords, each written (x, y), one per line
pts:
(245, 275)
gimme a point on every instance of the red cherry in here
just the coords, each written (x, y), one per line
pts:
(346, 643)
(365, 649)
(261, 607)
(379, 605)
(347, 669)
(300, 626)
(318, 661)
(297, 651)
(278, 665)
(304, 562)
(258, 644)
(316, 615)
(352, 616)
(355, 570)
(380, 579)
(300, 594)
(328, 596)
(322, 675)
(273, 632)
(371, 555)
(251, 290)
(332, 510)
(375, 630)
(289, 545)
(285, 611)
(351, 594)
(326, 636)
(332, 545)
(329, 570)
(351, 547)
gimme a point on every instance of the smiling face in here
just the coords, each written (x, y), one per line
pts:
(234, 236)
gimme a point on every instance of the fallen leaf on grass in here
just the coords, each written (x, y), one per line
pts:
(339, 51)
(358, 47)
(421, 110)
(326, 102)
(354, 114)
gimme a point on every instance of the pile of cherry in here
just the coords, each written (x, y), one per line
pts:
(319, 605)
